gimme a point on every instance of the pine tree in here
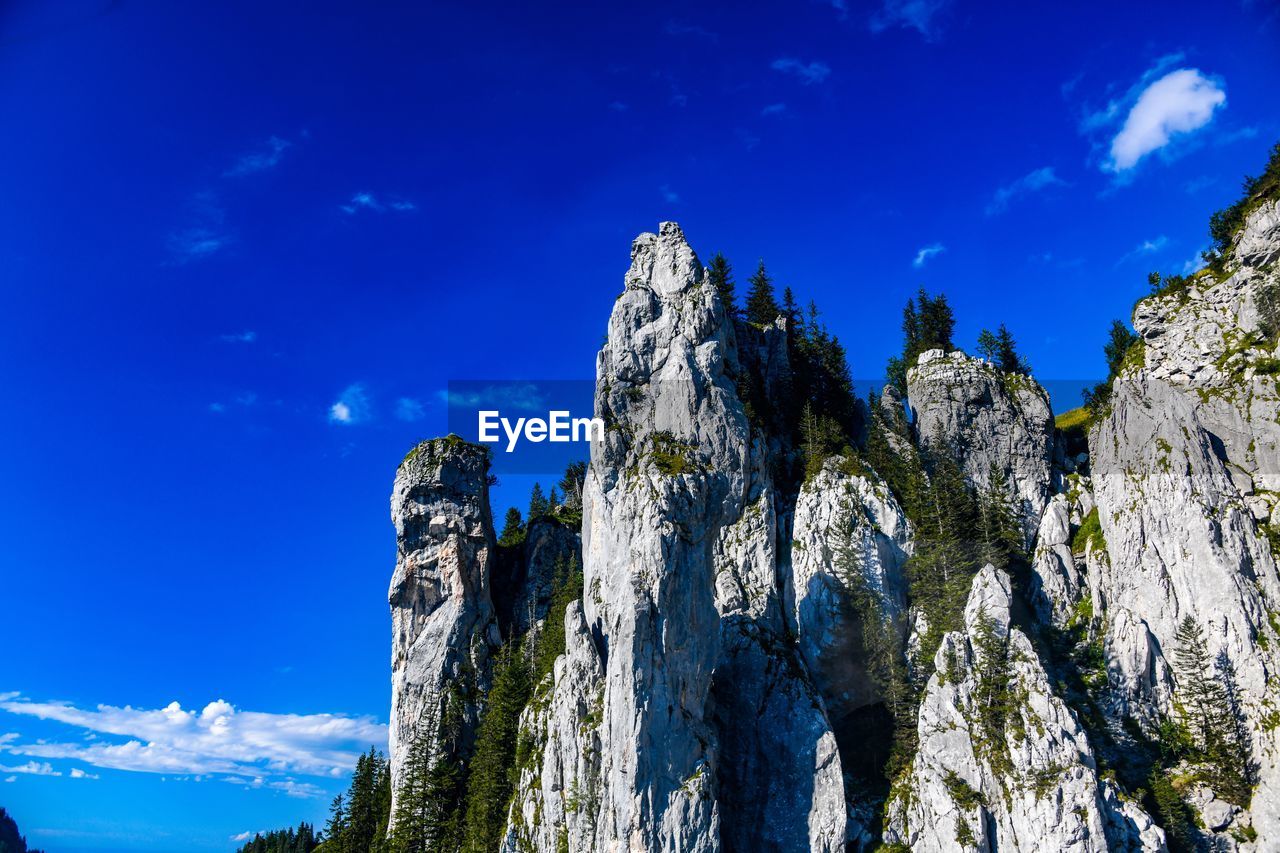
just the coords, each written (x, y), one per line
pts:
(335, 832)
(999, 523)
(791, 311)
(512, 529)
(762, 305)
(572, 483)
(720, 274)
(538, 505)
(1007, 358)
(490, 779)
(553, 500)
(987, 345)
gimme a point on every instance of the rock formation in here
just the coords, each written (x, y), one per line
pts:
(1003, 763)
(721, 679)
(442, 620)
(992, 421)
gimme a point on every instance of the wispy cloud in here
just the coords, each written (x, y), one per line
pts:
(77, 773)
(618, 106)
(680, 28)
(918, 15)
(33, 768)
(194, 244)
(248, 336)
(1146, 247)
(219, 741)
(928, 252)
(669, 195)
(1163, 106)
(808, 72)
(774, 110)
(268, 157)
(246, 836)
(1031, 182)
(365, 201)
(352, 406)
(205, 234)
(409, 409)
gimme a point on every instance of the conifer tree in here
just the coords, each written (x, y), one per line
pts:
(538, 505)
(512, 529)
(720, 274)
(987, 345)
(335, 832)
(1007, 357)
(490, 778)
(572, 483)
(762, 305)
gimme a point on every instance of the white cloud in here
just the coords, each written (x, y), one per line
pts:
(259, 161)
(11, 779)
(1146, 247)
(808, 72)
(369, 202)
(194, 244)
(252, 748)
(1177, 103)
(409, 409)
(246, 836)
(248, 336)
(1031, 182)
(918, 15)
(774, 110)
(1194, 265)
(352, 406)
(669, 195)
(33, 768)
(923, 256)
(77, 773)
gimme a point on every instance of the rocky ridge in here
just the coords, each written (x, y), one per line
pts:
(714, 690)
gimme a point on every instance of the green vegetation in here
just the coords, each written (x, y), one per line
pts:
(1090, 531)
(12, 841)
(1225, 224)
(762, 305)
(720, 275)
(1123, 350)
(927, 323)
(358, 820)
(491, 775)
(672, 456)
(1210, 713)
(1000, 349)
(304, 839)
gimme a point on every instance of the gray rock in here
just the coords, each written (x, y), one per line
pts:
(992, 420)
(442, 619)
(1030, 784)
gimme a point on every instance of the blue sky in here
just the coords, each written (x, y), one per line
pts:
(245, 247)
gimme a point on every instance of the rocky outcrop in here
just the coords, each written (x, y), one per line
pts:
(442, 619)
(522, 591)
(1002, 763)
(989, 420)
(848, 530)
(705, 734)
(1058, 585)
(1182, 467)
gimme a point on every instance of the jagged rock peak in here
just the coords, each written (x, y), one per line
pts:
(663, 262)
(1002, 763)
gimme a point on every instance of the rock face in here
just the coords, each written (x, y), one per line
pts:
(442, 619)
(702, 733)
(1002, 763)
(836, 511)
(990, 420)
(1182, 468)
